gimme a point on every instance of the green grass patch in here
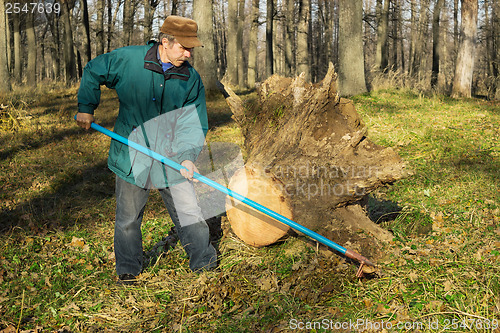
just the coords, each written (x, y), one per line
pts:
(57, 214)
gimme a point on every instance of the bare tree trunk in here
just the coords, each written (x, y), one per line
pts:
(31, 40)
(241, 24)
(335, 19)
(43, 70)
(315, 45)
(232, 43)
(205, 56)
(462, 82)
(401, 40)
(419, 54)
(112, 19)
(69, 55)
(99, 26)
(290, 38)
(110, 25)
(436, 41)
(456, 32)
(17, 49)
(8, 34)
(44, 46)
(175, 7)
(55, 46)
(4, 70)
(492, 48)
(442, 84)
(87, 52)
(488, 37)
(303, 59)
(496, 46)
(276, 44)
(310, 42)
(219, 22)
(149, 12)
(269, 38)
(395, 35)
(252, 49)
(351, 78)
(328, 48)
(413, 37)
(79, 67)
(282, 36)
(148, 20)
(381, 60)
(128, 21)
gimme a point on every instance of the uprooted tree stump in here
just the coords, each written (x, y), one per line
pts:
(308, 158)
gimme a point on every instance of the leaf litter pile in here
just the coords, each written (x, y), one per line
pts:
(57, 262)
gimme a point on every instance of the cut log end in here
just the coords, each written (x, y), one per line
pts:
(251, 226)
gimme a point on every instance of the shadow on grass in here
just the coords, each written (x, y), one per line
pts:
(76, 196)
(38, 139)
(73, 198)
(380, 210)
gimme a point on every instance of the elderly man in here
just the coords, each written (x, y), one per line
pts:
(156, 86)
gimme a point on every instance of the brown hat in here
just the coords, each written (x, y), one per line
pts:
(183, 29)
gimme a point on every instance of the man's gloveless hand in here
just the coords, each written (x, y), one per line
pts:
(84, 120)
(191, 169)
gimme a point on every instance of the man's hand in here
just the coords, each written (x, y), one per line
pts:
(84, 120)
(191, 169)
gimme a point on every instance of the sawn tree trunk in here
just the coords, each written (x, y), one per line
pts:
(309, 159)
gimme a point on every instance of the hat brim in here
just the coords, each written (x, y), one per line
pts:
(189, 42)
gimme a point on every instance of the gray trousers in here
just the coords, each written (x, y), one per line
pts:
(180, 201)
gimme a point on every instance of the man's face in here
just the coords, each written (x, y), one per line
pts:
(175, 52)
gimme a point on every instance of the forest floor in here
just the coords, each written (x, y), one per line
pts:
(440, 273)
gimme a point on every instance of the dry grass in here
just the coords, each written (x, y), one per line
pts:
(57, 212)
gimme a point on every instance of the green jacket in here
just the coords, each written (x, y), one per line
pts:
(146, 94)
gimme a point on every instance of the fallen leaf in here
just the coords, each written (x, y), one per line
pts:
(381, 308)
(71, 306)
(328, 288)
(296, 265)
(448, 285)
(334, 311)
(265, 283)
(479, 254)
(131, 299)
(413, 276)
(368, 303)
(435, 306)
(439, 218)
(77, 242)
(148, 304)
(47, 282)
(285, 288)
(367, 269)
(434, 261)
(9, 329)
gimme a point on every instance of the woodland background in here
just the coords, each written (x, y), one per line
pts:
(449, 46)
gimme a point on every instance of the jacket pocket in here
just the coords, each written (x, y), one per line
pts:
(119, 155)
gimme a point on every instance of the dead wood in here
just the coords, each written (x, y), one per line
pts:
(312, 147)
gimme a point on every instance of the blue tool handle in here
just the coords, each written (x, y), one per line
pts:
(223, 189)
